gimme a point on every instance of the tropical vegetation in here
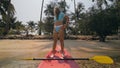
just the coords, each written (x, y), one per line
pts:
(102, 19)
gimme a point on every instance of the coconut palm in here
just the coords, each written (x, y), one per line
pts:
(49, 13)
(31, 26)
(49, 9)
(101, 2)
(63, 5)
(41, 18)
(6, 11)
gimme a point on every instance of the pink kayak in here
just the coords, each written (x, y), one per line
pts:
(58, 63)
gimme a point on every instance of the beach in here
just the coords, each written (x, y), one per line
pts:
(12, 52)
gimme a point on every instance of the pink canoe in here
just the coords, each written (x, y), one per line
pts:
(58, 63)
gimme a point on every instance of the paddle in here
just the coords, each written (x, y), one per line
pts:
(99, 59)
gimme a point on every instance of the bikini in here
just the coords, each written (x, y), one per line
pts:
(60, 18)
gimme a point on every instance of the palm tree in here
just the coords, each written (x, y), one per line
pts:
(41, 18)
(77, 16)
(31, 26)
(19, 26)
(16, 25)
(6, 11)
(101, 2)
(63, 5)
(48, 21)
(49, 9)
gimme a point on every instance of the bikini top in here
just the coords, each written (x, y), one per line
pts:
(60, 17)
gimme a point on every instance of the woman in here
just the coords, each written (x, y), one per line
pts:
(60, 23)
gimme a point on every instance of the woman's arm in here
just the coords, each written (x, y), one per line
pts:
(66, 21)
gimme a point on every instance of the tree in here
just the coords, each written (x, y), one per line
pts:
(17, 28)
(6, 11)
(6, 7)
(116, 6)
(49, 9)
(41, 18)
(77, 17)
(2, 25)
(63, 6)
(103, 23)
(31, 26)
(48, 25)
(48, 22)
(100, 3)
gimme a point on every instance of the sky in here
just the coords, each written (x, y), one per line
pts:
(29, 10)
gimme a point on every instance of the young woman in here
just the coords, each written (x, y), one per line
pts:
(60, 23)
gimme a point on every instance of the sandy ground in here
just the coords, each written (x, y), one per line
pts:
(12, 51)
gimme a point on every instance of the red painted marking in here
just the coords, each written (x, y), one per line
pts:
(58, 63)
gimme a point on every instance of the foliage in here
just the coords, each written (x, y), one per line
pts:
(49, 9)
(77, 19)
(2, 25)
(48, 21)
(6, 12)
(48, 25)
(101, 3)
(98, 21)
(102, 19)
(16, 26)
(31, 27)
(104, 22)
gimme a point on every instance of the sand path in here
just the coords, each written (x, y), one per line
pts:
(13, 50)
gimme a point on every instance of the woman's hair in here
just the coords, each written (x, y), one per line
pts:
(56, 12)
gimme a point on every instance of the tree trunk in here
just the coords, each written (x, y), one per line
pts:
(27, 33)
(8, 21)
(102, 38)
(41, 17)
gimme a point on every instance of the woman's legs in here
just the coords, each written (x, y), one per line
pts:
(62, 45)
(54, 45)
(55, 38)
(61, 36)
